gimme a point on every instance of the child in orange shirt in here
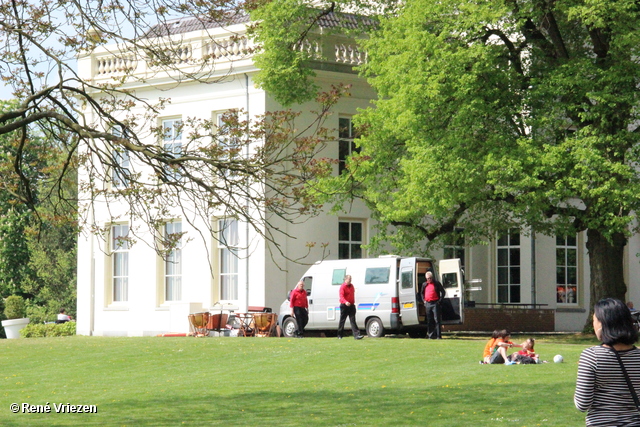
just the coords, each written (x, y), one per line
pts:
(501, 345)
(488, 349)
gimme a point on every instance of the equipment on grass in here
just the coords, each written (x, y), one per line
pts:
(558, 358)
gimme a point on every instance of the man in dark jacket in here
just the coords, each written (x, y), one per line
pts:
(433, 295)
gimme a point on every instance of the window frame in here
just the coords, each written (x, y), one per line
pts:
(566, 290)
(346, 142)
(175, 294)
(456, 247)
(172, 143)
(350, 242)
(508, 243)
(121, 173)
(119, 251)
(229, 249)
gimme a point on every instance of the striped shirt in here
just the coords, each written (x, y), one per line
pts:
(602, 390)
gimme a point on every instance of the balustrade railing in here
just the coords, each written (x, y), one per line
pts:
(229, 48)
(312, 49)
(116, 64)
(222, 49)
(349, 54)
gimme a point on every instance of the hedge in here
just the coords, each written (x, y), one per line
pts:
(38, 330)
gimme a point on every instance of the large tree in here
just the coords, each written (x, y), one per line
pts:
(37, 246)
(97, 124)
(501, 114)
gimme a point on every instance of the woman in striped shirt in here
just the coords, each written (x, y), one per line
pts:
(601, 388)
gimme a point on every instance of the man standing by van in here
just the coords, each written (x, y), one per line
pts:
(299, 307)
(433, 294)
(348, 308)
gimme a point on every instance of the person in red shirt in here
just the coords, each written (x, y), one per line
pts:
(348, 308)
(299, 307)
(433, 294)
(527, 354)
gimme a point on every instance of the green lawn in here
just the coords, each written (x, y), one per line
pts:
(284, 382)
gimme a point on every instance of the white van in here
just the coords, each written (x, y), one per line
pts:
(386, 293)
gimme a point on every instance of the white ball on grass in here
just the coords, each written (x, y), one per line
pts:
(558, 358)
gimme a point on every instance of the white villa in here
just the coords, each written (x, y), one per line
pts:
(129, 290)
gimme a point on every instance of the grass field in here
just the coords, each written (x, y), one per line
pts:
(285, 382)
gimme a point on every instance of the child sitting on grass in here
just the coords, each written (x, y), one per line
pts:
(527, 355)
(501, 345)
(486, 355)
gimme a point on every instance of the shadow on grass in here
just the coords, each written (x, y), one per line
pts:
(514, 404)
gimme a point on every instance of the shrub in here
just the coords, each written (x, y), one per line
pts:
(40, 330)
(38, 314)
(63, 330)
(14, 307)
(33, 330)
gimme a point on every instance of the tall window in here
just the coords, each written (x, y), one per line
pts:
(566, 270)
(455, 246)
(350, 239)
(120, 172)
(120, 257)
(226, 139)
(172, 135)
(229, 242)
(509, 267)
(225, 122)
(173, 263)
(346, 135)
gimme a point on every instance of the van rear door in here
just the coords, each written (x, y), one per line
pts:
(407, 289)
(452, 279)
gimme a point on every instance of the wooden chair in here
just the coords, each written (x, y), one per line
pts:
(198, 324)
(247, 325)
(265, 324)
(217, 322)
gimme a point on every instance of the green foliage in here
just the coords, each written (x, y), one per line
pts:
(53, 259)
(14, 307)
(292, 42)
(285, 71)
(14, 254)
(475, 130)
(41, 330)
(503, 114)
(38, 314)
(37, 252)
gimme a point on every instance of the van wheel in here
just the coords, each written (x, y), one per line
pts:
(289, 327)
(375, 328)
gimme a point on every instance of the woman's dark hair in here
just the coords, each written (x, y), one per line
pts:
(617, 325)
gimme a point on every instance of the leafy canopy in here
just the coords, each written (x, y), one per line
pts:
(499, 114)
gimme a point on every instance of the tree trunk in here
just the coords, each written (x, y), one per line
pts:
(606, 265)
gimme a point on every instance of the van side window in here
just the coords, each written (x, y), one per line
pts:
(308, 281)
(377, 276)
(406, 279)
(338, 276)
(450, 280)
